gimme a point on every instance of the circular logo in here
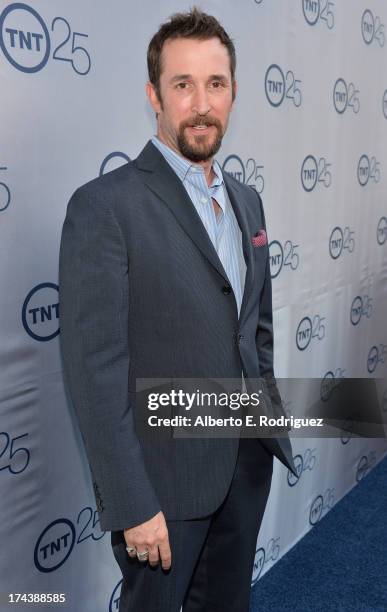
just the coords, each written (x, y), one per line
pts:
(311, 11)
(384, 103)
(24, 38)
(327, 385)
(274, 85)
(340, 96)
(356, 310)
(299, 465)
(40, 312)
(259, 562)
(372, 359)
(309, 173)
(367, 26)
(233, 165)
(362, 468)
(54, 545)
(336, 242)
(381, 231)
(363, 170)
(316, 510)
(114, 602)
(113, 161)
(276, 256)
(304, 333)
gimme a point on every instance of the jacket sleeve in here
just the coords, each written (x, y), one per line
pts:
(93, 294)
(264, 332)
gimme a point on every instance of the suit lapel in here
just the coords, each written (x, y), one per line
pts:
(239, 205)
(164, 183)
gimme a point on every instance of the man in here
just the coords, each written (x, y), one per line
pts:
(164, 272)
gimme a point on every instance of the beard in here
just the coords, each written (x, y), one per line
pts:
(200, 147)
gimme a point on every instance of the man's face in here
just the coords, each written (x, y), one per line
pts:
(196, 96)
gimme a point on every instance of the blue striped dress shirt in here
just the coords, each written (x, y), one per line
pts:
(223, 229)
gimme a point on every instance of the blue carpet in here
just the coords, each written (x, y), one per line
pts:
(341, 564)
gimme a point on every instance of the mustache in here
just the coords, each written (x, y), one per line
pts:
(207, 121)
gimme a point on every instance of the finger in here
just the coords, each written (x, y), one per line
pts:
(165, 554)
(153, 558)
(142, 554)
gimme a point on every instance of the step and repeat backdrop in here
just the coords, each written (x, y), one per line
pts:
(308, 131)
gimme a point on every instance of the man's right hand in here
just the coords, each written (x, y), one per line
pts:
(153, 537)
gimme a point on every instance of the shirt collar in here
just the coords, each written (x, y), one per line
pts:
(183, 166)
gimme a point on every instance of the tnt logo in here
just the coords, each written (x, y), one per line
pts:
(384, 104)
(263, 556)
(368, 168)
(365, 465)
(314, 172)
(54, 545)
(361, 307)
(114, 602)
(372, 28)
(277, 87)
(341, 240)
(376, 355)
(381, 230)
(320, 505)
(345, 97)
(329, 382)
(308, 329)
(304, 462)
(24, 37)
(247, 173)
(40, 312)
(281, 256)
(314, 11)
(113, 161)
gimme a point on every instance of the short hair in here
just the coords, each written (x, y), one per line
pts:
(194, 24)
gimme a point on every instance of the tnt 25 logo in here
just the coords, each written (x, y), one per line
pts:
(26, 42)
(309, 329)
(5, 194)
(56, 542)
(263, 556)
(345, 96)
(321, 505)
(372, 29)
(315, 172)
(368, 169)
(283, 257)
(249, 172)
(376, 355)
(40, 312)
(318, 10)
(304, 462)
(341, 240)
(14, 456)
(361, 307)
(381, 231)
(365, 465)
(112, 161)
(329, 382)
(279, 88)
(114, 602)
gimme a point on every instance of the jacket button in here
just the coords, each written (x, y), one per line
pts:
(226, 290)
(240, 337)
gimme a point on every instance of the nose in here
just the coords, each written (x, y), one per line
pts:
(201, 102)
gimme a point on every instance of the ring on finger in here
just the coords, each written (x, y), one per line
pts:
(143, 556)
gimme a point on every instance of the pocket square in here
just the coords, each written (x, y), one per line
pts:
(259, 239)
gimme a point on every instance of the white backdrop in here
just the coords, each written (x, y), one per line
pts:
(309, 131)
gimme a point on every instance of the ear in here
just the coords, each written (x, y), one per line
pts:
(153, 97)
(234, 92)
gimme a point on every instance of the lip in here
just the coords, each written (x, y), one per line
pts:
(201, 130)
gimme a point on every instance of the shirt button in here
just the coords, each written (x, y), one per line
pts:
(226, 290)
(203, 200)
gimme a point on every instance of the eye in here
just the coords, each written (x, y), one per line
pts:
(181, 85)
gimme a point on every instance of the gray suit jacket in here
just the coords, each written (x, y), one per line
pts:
(143, 294)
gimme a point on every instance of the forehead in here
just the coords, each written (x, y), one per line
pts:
(195, 57)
